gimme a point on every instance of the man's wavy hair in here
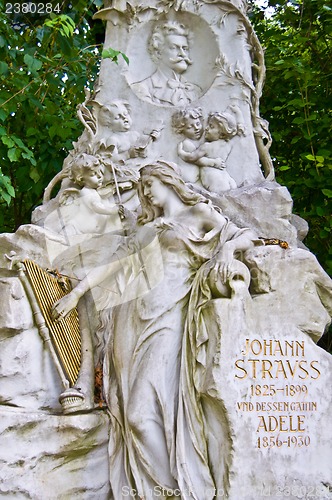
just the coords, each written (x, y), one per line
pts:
(159, 33)
(167, 174)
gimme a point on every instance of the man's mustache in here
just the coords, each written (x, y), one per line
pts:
(182, 58)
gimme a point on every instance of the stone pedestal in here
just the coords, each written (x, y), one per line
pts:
(278, 406)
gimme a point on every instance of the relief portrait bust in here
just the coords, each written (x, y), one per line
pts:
(169, 48)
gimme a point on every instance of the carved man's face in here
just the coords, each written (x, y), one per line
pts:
(175, 53)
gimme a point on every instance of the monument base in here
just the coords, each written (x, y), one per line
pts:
(53, 456)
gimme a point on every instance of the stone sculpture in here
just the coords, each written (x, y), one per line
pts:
(150, 339)
(90, 213)
(169, 49)
(212, 154)
(199, 305)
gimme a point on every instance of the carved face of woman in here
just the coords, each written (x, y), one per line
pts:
(155, 190)
(193, 128)
(174, 53)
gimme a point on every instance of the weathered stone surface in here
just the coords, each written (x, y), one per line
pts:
(214, 386)
(291, 283)
(266, 208)
(54, 457)
(271, 379)
(15, 312)
(280, 428)
(301, 226)
(28, 375)
(29, 241)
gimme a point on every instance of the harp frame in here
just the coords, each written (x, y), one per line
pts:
(44, 288)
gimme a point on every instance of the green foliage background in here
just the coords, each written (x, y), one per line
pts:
(297, 38)
(48, 60)
(297, 102)
(46, 63)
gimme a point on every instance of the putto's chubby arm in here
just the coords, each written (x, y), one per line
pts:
(200, 157)
(211, 162)
(97, 204)
(190, 157)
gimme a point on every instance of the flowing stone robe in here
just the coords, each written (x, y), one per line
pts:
(155, 357)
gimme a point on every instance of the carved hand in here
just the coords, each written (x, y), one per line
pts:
(218, 163)
(224, 265)
(139, 151)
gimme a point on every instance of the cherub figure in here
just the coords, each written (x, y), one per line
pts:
(190, 123)
(108, 133)
(118, 143)
(211, 156)
(114, 133)
(83, 210)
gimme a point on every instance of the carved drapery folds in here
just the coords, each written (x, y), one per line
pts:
(178, 243)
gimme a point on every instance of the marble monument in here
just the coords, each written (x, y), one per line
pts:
(160, 314)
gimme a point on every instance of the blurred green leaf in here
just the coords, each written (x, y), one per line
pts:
(114, 55)
(32, 63)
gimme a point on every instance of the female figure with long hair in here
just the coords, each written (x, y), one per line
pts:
(156, 346)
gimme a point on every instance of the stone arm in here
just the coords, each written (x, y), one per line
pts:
(101, 207)
(233, 249)
(241, 241)
(137, 151)
(211, 162)
(191, 157)
(95, 202)
(98, 274)
(200, 158)
(212, 219)
(217, 157)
